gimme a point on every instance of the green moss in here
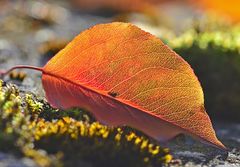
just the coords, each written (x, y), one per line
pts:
(215, 57)
(30, 127)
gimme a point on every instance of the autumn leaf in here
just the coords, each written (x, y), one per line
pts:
(125, 76)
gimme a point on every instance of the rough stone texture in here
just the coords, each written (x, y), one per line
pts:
(7, 160)
(193, 153)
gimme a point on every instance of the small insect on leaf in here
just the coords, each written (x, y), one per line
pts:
(113, 94)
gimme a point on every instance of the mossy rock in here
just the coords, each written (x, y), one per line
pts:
(31, 128)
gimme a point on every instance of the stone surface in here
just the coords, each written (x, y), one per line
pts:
(7, 160)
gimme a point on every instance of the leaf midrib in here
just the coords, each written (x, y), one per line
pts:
(128, 104)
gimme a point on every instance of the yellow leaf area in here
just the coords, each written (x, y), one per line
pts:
(229, 9)
(126, 76)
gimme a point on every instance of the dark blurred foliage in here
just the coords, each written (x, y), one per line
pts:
(215, 57)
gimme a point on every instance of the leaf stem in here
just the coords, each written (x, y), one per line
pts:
(3, 73)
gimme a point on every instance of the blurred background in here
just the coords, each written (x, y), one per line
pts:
(206, 33)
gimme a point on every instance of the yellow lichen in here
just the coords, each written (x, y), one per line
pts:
(32, 124)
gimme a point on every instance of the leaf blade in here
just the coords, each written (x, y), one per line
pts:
(123, 59)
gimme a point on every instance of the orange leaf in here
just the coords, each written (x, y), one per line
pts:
(229, 9)
(125, 76)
